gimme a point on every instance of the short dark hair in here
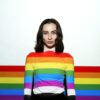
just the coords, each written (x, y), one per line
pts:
(59, 46)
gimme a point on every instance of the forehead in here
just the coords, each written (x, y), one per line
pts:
(49, 26)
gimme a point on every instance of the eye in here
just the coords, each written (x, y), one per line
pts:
(54, 32)
(45, 32)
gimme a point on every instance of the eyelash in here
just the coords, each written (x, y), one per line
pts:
(54, 32)
(47, 33)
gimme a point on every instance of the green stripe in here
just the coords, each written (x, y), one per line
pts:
(29, 73)
(69, 73)
(11, 86)
(49, 71)
(87, 87)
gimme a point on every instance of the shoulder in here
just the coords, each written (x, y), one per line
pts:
(34, 54)
(69, 56)
(66, 54)
(31, 54)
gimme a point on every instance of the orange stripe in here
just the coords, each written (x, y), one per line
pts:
(51, 59)
(11, 74)
(87, 75)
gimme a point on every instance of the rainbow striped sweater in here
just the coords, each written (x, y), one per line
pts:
(49, 72)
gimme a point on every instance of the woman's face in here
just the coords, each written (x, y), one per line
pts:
(49, 35)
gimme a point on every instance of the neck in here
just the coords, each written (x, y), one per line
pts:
(49, 49)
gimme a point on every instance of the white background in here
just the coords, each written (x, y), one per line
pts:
(79, 19)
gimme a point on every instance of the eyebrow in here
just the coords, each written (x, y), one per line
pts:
(47, 31)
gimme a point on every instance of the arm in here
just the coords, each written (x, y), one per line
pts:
(28, 79)
(70, 79)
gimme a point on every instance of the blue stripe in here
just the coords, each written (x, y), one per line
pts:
(11, 92)
(69, 79)
(28, 79)
(88, 92)
(41, 77)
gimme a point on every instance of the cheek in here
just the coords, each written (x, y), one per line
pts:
(55, 37)
(44, 37)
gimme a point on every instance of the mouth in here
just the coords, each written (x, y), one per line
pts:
(49, 42)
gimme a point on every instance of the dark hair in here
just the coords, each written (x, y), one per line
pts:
(59, 46)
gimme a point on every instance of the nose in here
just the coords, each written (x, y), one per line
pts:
(49, 36)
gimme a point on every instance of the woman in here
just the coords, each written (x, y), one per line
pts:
(49, 72)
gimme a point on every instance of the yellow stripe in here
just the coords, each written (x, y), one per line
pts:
(49, 65)
(87, 80)
(69, 67)
(29, 66)
(62, 66)
(11, 80)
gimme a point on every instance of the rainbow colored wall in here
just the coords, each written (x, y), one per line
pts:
(87, 82)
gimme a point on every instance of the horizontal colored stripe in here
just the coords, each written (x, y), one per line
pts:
(70, 73)
(20, 68)
(11, 92)
(87, 86)
(11, 86)
(49, 65)
(11, 97)
(69, 79)
(28, 85)
(11, 68)
(28, 79)
(11, 80)
(87, 69)
(87, 97)
(87, 80)
(46, 65)
(53, 65)
(49, 71)
(29, 73)
(88, 92)
(49, 54)
(87, 75)
(49, 59)
(16, 97)
(11, 74)
(48, 77)
(49, 83)
(70, 86)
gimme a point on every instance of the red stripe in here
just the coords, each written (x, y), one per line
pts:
(12, 68)
(48, 54)
(87, 68)
(20, 68)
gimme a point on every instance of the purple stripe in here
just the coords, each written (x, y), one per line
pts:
(87, 97)
(11, 97)
(49, 83)
(70, 86)
(28, 85)
(22, 97)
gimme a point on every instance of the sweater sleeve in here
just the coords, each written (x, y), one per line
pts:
(70, 79)
(28, 78)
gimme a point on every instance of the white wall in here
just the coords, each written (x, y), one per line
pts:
(79, 19)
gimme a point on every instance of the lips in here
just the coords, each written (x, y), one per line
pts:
(49, 42)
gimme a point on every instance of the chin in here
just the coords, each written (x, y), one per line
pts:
(50, 46)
